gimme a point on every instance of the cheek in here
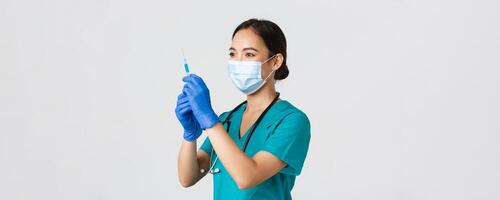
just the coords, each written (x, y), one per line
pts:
(266, 69)
(270, 65)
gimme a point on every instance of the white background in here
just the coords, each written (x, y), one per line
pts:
(402, 95)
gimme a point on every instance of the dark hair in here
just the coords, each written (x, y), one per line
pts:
(274, 40)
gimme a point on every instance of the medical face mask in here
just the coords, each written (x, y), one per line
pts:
(246, 75)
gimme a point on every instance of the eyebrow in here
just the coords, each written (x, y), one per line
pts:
(244, 49)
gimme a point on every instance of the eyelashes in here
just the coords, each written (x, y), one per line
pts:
(251, 55)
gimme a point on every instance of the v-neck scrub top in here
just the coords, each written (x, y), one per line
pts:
(285, 133)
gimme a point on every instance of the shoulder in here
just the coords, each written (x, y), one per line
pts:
(291, 111)
(288, 114)
(223, 116)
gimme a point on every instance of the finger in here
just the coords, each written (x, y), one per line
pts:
(193, 86)
(181, 102)
(188, 77)
(181, 96)
(187, 90)
(183, 107)
(183, 99)
(197, 81)
(194, 80)
(189, 83)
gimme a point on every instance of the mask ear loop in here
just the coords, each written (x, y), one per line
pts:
(272, 72)
(270, 58)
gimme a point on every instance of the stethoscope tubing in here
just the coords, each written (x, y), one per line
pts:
(227, 121)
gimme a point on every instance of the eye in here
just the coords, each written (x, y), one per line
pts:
(249, 54)
(231, 54)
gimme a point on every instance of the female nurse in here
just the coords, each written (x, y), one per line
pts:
(255, 150)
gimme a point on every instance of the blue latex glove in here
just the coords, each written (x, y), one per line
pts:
(192, 129)
(198, 95)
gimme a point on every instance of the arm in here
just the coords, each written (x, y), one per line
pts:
(190, 162)
(246, 172)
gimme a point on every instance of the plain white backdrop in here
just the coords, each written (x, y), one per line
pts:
(402, 95)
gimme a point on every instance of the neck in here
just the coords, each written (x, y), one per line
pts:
(259, 100)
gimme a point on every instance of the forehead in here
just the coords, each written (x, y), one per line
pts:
(247, 38)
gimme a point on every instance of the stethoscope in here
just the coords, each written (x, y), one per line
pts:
(227, 121)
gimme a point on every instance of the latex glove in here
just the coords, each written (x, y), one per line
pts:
(199, 97)
(192, 129)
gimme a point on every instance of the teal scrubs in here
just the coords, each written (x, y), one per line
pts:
(284, 132)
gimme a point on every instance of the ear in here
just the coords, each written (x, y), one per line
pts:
(277, 61)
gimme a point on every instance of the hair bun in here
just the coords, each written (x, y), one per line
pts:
(282, 72)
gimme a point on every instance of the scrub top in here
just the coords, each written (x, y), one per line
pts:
(284, 132)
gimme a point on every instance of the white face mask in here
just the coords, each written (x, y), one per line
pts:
(246, 75)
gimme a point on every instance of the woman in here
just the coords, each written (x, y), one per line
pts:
(256, 150)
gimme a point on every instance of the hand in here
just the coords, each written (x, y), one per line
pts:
(199, 98)
(192, 129)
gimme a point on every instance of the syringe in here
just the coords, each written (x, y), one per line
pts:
(186, 66)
